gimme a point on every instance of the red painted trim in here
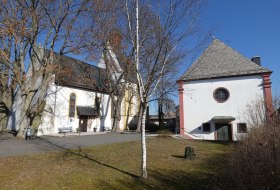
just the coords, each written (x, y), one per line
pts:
(181, 106)
(267, 95)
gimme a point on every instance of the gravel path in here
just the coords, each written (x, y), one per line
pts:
(10, 146)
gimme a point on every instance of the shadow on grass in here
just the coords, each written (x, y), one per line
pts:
(203, 173)
(221, 142)
(206, 175)
(84, 155)
(178, 156)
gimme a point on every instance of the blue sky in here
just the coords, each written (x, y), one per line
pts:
(251, 27)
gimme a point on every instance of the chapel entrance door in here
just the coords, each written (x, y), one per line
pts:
(223, 132)
(83, 123)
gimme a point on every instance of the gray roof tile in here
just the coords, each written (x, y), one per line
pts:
(220, 60)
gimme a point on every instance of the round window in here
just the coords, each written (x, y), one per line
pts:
(221, 95)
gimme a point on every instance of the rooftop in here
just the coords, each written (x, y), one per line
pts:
(220, 60)
(75, 73)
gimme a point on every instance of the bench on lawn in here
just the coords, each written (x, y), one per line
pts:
(65, 129)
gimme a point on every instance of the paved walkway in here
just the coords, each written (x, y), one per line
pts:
(10, 146)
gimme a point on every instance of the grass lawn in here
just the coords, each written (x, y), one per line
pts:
(117, 166)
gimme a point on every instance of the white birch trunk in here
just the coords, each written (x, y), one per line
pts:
(140, 90)
(143, 145)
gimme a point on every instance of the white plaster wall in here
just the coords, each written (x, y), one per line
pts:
(200, 105)
(57, 106)
(116, 68)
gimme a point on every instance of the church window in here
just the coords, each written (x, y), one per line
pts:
(221, 95)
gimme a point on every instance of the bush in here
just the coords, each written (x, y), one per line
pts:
(255, 161)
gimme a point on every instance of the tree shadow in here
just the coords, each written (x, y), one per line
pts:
(178, 156)
(207, 175)
(220, 142)
(7, 135)
(80, 153)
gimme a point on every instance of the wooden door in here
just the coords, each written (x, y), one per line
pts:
(223, 132)
(83, 123)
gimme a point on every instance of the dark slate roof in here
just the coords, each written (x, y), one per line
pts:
(75, 73)
(87, 110)
(220, 60)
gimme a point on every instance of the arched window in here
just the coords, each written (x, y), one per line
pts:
(72, 105)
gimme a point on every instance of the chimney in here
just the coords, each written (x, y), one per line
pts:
(257, 60)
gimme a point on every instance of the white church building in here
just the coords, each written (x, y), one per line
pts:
(215, 91)
(77, 99)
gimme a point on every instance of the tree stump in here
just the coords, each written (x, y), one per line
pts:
(189, 153)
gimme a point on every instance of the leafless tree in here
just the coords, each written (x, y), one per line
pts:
(155, 32)
(276, 102)
(106, 47)
(255, 160)
(27, 29)
(164, 95)
(255, 113)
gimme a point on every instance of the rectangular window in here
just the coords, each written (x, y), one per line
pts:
(206, 127)
(241, 128)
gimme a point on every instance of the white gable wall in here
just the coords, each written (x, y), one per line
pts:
(200, 105)
(57, 106)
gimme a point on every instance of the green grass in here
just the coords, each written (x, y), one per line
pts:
(117, 166)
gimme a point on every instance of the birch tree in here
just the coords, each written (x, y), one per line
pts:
(157, 32)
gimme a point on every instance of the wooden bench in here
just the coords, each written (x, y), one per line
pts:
(106, 129)
(65, 129)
